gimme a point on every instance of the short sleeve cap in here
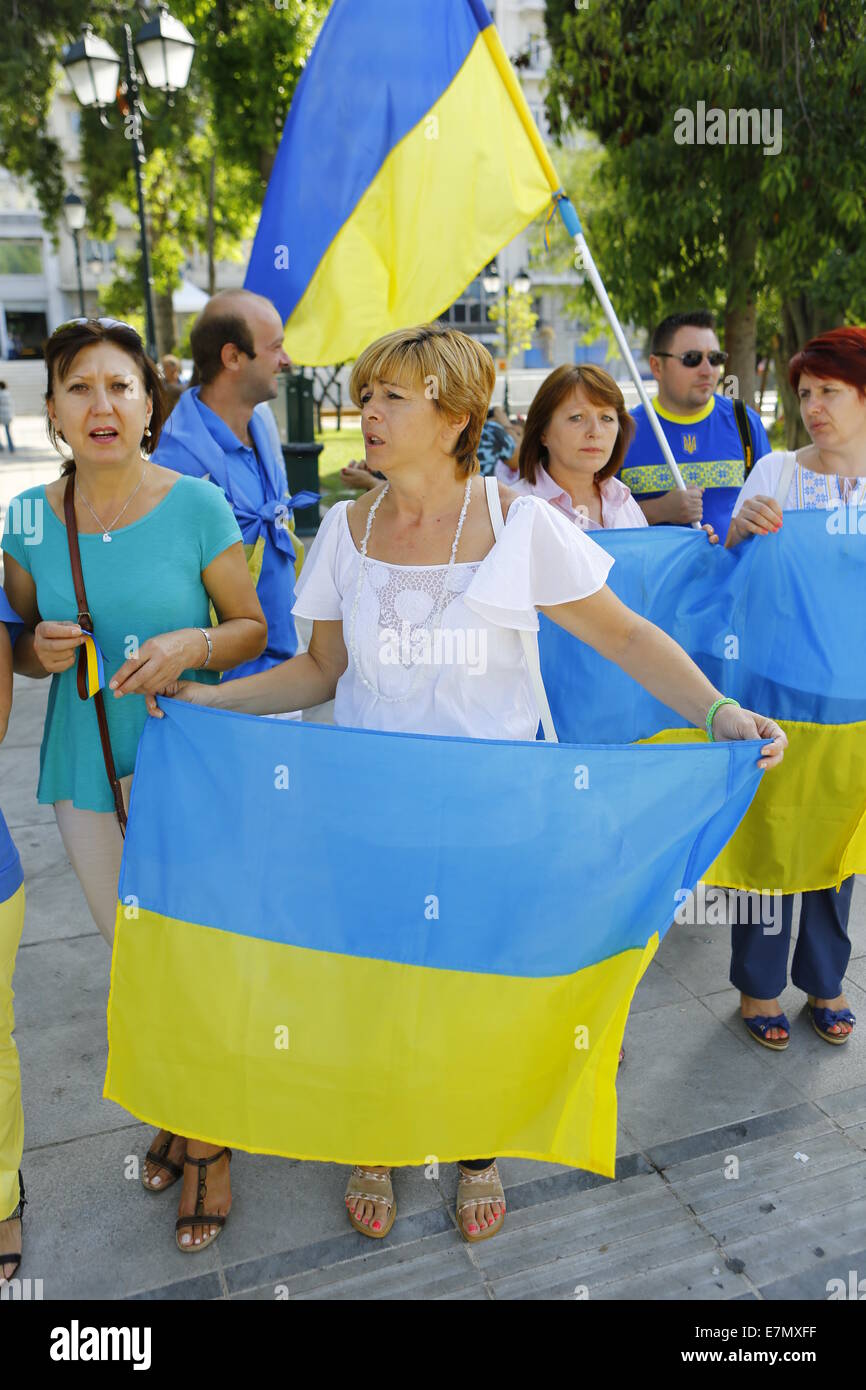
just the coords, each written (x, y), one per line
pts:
(763, 479)
(540, 559)
(218, 528)
(317, 594)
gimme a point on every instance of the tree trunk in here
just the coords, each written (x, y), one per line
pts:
(741, 313)
(266, 163)
(802, 319)
(211, 264)
(164, 314)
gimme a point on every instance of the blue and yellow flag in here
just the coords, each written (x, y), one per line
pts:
(779, 623)
(94, 669)
(465, 899)
(409, 158)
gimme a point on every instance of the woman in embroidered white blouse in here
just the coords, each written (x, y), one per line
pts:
(829, 377)
(413, 562)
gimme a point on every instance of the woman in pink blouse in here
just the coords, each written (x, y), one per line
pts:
(576, 437)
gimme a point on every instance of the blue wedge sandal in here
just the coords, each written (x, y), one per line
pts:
(823, 1020)
(759, 1025)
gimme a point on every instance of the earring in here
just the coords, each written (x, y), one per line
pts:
(147, 431)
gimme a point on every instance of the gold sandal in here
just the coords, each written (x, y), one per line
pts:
(362, 1183)
(473, 1190)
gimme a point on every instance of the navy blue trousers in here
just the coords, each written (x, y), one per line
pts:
(759, 960)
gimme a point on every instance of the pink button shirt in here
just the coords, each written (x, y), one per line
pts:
(618, 508)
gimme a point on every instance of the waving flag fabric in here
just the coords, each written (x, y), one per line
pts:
(464, 898)
(780, 625)
(409, 158)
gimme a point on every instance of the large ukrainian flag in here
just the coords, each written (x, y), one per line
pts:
(409, 158)
(383, 948)
(779, 623)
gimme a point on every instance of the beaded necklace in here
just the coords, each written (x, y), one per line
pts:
(438, 608)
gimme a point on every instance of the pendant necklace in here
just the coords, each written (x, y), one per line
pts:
(106, 529)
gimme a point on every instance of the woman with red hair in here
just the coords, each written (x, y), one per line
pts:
(829, 377)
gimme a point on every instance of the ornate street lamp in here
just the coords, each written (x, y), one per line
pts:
(93, 68)
(165, 49)
(74, 215)
(492, 282)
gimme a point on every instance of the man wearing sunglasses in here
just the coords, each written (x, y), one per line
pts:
(714, 439)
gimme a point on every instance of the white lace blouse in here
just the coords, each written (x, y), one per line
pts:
(467, 676)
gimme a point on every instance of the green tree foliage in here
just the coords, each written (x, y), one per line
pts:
(27, 78)
(771, 238)
(516, 320)
(209, 151)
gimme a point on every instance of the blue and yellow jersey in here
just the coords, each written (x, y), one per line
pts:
(707, 448)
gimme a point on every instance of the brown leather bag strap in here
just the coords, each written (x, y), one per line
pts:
(85, 622)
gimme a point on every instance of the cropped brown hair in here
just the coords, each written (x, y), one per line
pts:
(601, 389)
(64, 345)
(210, 333)
(456, 370)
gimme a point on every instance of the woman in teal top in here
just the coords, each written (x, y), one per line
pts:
(148, 581)
(157, 549)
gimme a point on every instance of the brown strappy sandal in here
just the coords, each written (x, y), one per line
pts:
(15, 1256)
(362, 1184)
(200, 1217)
(159, 1157)
(473, 1190)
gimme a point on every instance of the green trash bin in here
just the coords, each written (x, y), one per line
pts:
(302, 474)
(301, 454)
(299, 408)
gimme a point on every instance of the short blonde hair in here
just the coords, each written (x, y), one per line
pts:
(459, 370)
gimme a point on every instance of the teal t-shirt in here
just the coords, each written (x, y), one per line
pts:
(146, 581)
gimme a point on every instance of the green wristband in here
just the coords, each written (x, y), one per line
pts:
(725, 700)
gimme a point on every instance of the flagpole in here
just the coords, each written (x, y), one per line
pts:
(583, 258)
(572, 225)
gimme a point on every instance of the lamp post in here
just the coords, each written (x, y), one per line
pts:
(492, 282)
(165, 50)
(74, 213)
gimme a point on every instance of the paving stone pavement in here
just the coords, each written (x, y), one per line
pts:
(695, 1094)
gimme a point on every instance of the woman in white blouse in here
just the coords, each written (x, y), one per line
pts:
(829, 377)
(415, 561)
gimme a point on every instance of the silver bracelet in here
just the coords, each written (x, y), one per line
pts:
(206, 635)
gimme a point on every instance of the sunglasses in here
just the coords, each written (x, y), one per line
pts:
(694, 358)
(103, 323)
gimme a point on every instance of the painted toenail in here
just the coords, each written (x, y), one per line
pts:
(472, 1228)
(377, 1225)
